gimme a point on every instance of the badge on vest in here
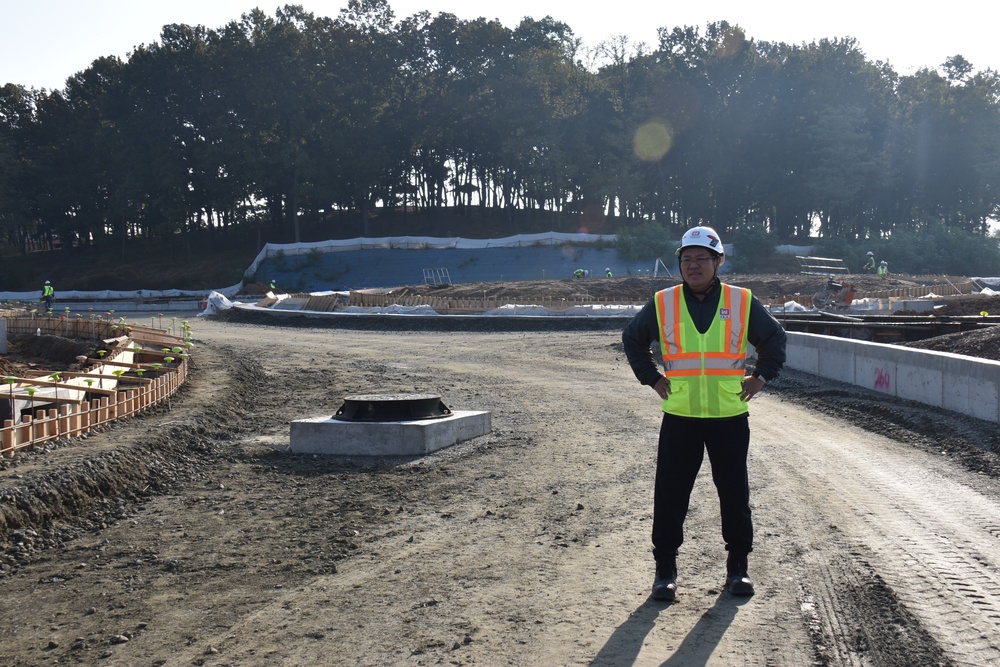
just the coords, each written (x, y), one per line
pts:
(723, 313)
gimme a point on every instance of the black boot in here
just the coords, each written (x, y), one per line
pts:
(737, 580)
(665, 582)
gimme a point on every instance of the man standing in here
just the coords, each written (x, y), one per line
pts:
(703, 327)
(48, 293)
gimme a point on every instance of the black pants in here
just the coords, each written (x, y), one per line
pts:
(683, 442)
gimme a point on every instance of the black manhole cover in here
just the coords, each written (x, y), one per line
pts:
(392, 408)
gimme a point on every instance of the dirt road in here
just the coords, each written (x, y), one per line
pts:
(208, 543)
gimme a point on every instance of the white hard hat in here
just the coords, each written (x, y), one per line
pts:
(870, 252)
(883, 262)
(704, 237)
(46, 282)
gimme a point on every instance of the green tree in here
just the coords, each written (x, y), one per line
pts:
(17, 169)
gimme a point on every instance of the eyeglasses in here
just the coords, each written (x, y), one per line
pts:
(691, 261)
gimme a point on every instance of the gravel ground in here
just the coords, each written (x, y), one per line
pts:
(192, 535)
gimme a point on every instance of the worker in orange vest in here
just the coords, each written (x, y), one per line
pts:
(703, 327)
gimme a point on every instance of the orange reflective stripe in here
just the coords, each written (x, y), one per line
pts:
(735, 372)
(739, 315)
(704, 370)
(669, 333)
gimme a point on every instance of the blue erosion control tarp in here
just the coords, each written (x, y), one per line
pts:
(346, 264)
(391, 267)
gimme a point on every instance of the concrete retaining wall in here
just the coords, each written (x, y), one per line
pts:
(951, 381)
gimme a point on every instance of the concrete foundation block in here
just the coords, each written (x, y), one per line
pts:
(322, 435)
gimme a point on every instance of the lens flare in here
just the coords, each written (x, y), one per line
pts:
(652, 140)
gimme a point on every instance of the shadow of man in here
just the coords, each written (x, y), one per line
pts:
(625, 643)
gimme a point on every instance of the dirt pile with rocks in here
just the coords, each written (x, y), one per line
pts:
(640, 288)
(984, 343)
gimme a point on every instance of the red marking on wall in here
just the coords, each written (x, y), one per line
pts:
(882, 378)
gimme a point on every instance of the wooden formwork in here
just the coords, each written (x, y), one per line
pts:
(323, 304)
(455, 306)
(93, 327)
(462, 306)
(75, 403)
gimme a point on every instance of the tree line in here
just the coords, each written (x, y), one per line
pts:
(293, 119)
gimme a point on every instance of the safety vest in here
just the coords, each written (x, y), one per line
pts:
(48, 290)
(705, 369)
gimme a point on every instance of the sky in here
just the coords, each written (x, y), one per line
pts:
(44, 42)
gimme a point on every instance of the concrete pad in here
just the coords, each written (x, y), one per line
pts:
(321, 435)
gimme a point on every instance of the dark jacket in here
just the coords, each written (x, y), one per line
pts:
(763, 332)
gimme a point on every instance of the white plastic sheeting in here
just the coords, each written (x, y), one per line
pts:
(218, 302)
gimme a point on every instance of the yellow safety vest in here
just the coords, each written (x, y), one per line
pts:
(705, 370)
(48, 290)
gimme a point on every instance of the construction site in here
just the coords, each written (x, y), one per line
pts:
(193, 532)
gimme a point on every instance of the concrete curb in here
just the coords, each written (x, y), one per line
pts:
(951, 381)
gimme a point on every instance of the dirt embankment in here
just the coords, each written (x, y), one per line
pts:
(983, 343)
(636, 288)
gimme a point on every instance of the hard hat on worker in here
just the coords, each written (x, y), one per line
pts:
(703, 237)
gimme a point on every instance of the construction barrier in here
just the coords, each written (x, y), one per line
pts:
(96, 326)
(142, 367)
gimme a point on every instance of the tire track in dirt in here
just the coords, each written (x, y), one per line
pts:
(906, 530)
